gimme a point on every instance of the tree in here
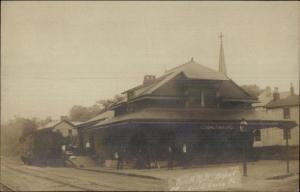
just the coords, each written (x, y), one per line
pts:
(253, 90)
(28, 126)
(81, 113)
(15, 131)
(107, 103)
(44, 122)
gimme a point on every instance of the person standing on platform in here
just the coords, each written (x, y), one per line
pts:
(184, 156)
(121, 158)
(170, 158)
(88, 148)
(118, 159)
(140, 163)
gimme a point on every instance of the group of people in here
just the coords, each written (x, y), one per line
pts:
(184, 157)
(120, 160)
(141, 162)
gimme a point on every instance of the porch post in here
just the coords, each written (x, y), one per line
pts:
(243, 129)
(287, 150)
(245, 156)
(80, 138)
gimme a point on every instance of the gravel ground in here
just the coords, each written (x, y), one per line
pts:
(31, 178)
(210, 177)
(257, 179)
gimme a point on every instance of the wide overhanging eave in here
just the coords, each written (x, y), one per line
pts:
(212, 124)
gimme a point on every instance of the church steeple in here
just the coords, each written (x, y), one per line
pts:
(222, 66)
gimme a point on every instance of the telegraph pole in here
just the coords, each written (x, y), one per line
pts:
(243, 129)
(287, 150)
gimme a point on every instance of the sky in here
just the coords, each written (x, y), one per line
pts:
(58, 54)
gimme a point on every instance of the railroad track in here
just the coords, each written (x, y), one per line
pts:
(59, 180)
(4, 187)
(71, 179)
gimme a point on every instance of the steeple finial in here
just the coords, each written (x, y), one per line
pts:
(222, 66)
(292, 89)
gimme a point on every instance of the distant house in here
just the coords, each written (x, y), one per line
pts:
(266, 96)
(281, 105)
(65, 127)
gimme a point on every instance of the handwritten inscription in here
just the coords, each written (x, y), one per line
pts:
(208, 180)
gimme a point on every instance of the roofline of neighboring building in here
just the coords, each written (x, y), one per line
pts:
(69, 122)
(51, 127)
(44, 129)
(292, 100)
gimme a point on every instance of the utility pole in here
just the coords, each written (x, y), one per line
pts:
(243, 129)
(287, 150)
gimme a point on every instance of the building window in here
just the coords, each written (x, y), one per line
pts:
(70, 131)
(286, 113)
(286, 134)
(210, 98)
(130, 95)
(257, 135)
(202, 100)
(195, 97)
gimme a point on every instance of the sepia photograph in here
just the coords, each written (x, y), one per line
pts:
(150, 96)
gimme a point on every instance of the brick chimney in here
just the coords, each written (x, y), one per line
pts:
(148, 79)
(64, 117)
(292, 89)
(268, 91)
(276, 95)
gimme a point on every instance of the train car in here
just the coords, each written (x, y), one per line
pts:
(43, 147)
(48, 145)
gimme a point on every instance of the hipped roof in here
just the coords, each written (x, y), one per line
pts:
(191, 69)
(264, 98)
(292, 100)
(194, 71)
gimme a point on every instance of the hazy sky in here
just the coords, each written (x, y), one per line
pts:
(58, 54)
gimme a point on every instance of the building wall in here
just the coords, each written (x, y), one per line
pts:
(274, 136)
(99, 144)
(64, 129)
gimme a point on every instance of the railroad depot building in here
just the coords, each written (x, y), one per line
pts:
(190, 105)
(191, 110)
